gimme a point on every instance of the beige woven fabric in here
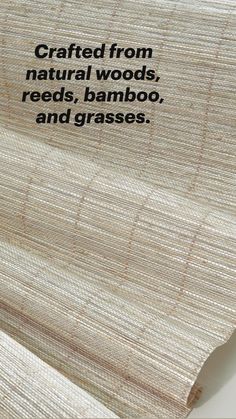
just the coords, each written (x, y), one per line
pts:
(189, 147)
(30, 388)
(118, 243)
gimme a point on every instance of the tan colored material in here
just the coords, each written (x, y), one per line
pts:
(31, 389)
(118, 243)
(114, 279)
(189, 147)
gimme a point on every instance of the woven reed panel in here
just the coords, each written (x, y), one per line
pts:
(118, 243)
(116, 272)
(189, 146)
(52, 395)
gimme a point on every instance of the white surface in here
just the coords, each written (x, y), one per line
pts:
(218, 379)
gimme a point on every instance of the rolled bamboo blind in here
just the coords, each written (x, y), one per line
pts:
(117, 242)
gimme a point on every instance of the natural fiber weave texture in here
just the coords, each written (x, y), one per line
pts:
(189, 147)
(118, 244)
(32, 389)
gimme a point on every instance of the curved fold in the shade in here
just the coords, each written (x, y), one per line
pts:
(117, 242)
(105, 267)
(30, 388)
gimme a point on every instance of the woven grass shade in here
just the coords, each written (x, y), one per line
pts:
(117, 242)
